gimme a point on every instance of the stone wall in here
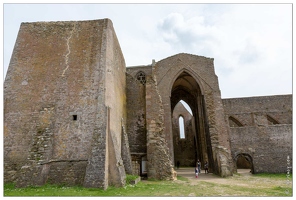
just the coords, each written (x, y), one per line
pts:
(267, 146)
(251, 111)
(159, 163)
(261, 128)
(57, 107)
(115, 92)
(136, 115)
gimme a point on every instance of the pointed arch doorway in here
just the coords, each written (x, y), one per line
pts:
(186, 88)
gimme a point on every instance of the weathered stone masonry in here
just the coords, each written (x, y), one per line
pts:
(262, 130)
(65, 105)
(75, 115)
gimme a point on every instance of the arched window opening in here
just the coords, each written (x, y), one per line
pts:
(234, 122)
(181, 127)
(271, 121)
(186, 106)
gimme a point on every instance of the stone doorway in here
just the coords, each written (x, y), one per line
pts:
(244, 162)
(197, 144)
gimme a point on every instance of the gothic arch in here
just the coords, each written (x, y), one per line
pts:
(193, 79)
(192, 74)
(186, 87)
(233, 122)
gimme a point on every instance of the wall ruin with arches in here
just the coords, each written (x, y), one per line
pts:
(261, 129)
(180, 77)
(74, 113)
(253, 124)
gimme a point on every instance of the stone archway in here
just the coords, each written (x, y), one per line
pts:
(244, 161)
(186, 88)
(192, 79)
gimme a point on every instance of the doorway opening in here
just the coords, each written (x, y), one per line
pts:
(244, 163)
(188, 101)
(143, 167)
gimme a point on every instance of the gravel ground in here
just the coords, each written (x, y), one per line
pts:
(242, 178)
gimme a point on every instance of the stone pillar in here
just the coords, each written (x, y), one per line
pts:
(219, 135)
(159, 165)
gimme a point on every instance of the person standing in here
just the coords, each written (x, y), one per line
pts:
(206, 167)
(196, 172)
(198, 165)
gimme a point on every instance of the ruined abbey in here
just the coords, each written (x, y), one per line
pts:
(74, 113)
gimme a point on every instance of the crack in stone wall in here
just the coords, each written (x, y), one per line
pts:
(68, 49)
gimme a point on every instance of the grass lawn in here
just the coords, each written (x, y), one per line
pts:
(257, 185)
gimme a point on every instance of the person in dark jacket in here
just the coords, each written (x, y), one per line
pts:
(206, 167)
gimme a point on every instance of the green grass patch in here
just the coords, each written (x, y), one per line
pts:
(181, 178)
(129, 178)
(147, 188)
(254, 185)
(273, 176)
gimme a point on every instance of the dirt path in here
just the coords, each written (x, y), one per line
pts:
(189, 173)
(243, 178)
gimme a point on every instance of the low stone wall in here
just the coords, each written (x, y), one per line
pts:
(137, 180)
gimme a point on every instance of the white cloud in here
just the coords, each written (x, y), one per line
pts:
(251, 43)
(189, 35)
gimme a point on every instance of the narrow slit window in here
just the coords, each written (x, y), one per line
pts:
(74, 117)
(181, 127)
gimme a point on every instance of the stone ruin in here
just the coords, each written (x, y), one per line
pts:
(74, 113)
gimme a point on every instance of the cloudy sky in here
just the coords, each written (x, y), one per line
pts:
(251, 43)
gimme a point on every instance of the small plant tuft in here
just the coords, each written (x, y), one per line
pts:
(129, 178)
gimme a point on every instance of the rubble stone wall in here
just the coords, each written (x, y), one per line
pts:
(262, 130)
(159, 165)
(268, 146)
